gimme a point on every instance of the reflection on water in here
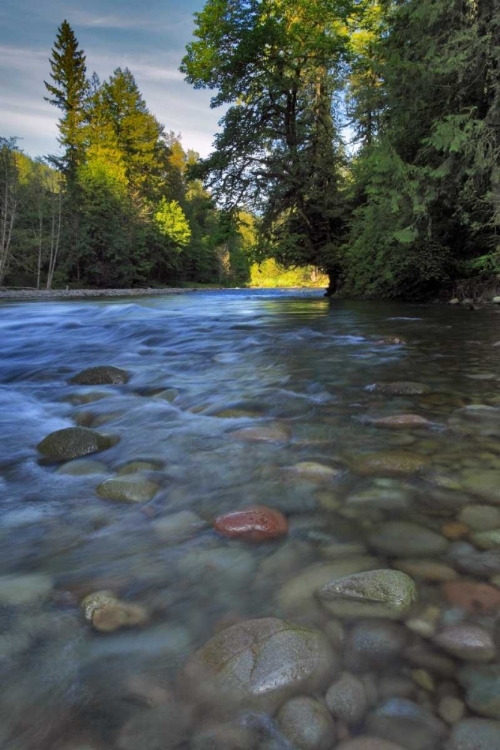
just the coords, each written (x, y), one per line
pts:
(235, 399)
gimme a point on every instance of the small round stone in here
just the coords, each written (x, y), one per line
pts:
(347, 699)
(307, 724)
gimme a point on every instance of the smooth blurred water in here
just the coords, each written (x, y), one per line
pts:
(228, 360)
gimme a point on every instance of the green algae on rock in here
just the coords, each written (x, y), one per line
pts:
(101, 375)
(74, 442)
(374, 593)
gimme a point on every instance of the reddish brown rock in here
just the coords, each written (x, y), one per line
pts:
(256, 524)
(470, 596)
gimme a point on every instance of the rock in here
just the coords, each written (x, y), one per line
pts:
(468, 559)
(455, 530)
(224, 737)
(101, 375)
(426, 570)
(484, 484)
(401, 421)
(454, 301)
(314, 471)
(376, 593)
(131, 488)
(480, 517)
(451, 709)
(405, 539)
(347, 699)
(107, 613)
(475, 734)
(306, 724)
(258, 664)
(177, 527)
(73, 442)
(276, 433)
(425, 621)
(424, 680)
(216, 569)
(255, 524)
(298, 595)
(425, 657)
(20, 590)
(388, 463)
(401, 388)
(385, 498)
(167, 728)
(406, 723)
(477, 598)
(487, 539)
(496, 300)
(82, 467)
(368, 743)
(482, 686)
(133, 467)
(374, 644)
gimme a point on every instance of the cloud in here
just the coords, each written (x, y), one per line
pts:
(123, 22)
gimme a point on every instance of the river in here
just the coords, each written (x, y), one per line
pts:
(235, 399)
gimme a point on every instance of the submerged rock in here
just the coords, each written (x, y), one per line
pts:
(347, 699)
(73, 442)
(276, 433)
(374, 644)
(471, 596)
(101, 375)
(406, 723)
(482, 688)
(368, 743)
(129, 488)
(256, 524)
(306, 724)
(475, 734)
(467, 641)
(17, 590)
(106, 613)
(82, 467)
(401, 421)
(375, 593)
(405, 539)
(167, 728)
(389, 463)
(257, 664)
(399, 388)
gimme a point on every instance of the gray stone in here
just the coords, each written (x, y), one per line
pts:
(131, 488)
(487, 539)
(298, 595)
(306, 724)
(258, 664)
(399, 388)
(368, 743)
(404, 539)
(82, 468)
(166, 728)
(482, 686)
(389, 463)
(480, 517)
(347, 699)
(224, 737)
(73, 442)
(475, 734)
(18, 590)
(220, 567)
(483, 483)
(374, 643)
(406, 723)
(101, 375)
(467, 641)
(375, 593)
(177, 527)
(451, 709)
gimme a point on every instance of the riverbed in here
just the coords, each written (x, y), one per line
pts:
(372, 428)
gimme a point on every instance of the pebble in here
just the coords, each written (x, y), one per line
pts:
(424, 679)
(475, 734)
(405, 539)
(480, 517)
(347, 699)
(451, 709)
(426, 570)
(306, 724)
(376, 593)
(401, 421)
(405, 722)
(255, 524)
(313, 470)
(374, 644)
(131, 488)
(106, 613)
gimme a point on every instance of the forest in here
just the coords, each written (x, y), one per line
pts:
(359, 139)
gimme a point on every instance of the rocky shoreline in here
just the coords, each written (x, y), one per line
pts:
(43, 294)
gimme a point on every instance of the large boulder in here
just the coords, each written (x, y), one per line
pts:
(374, 593)
(101, 375)
(73, 442)
(257, 665)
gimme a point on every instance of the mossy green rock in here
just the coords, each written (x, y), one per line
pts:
(130, 488)
(73, 442)
(258, 664)
(101, 375)
(485, 484)
(389, 463)
(375, 593)
(400, 388)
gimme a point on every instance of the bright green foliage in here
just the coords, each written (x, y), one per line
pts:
(172, 223)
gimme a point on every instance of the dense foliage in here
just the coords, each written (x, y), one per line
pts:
(360, 139)
(115, 208)
(364, 134)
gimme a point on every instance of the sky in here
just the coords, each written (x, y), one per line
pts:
(147, 36)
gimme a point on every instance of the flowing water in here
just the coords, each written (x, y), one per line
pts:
(297, 369)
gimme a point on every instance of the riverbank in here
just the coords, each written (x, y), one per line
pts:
(43, 294)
